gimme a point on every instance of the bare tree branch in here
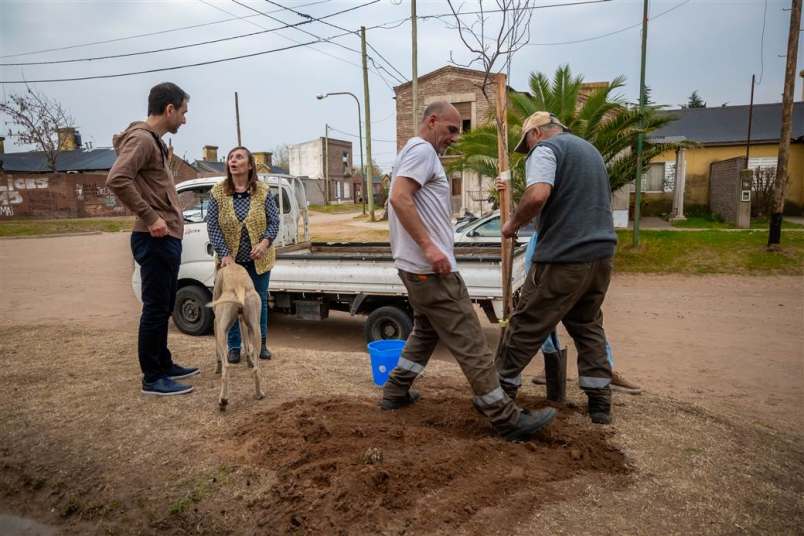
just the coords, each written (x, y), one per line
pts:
(34, 119)
(487, 47)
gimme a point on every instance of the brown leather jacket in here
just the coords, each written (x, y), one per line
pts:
(142, 180)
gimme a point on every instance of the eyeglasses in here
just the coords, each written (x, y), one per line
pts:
(453, 129)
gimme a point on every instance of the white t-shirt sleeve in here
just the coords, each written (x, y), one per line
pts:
(541, 167)
(417, 163)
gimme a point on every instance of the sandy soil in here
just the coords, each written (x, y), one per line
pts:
(713, 446)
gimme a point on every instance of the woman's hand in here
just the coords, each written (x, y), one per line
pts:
(259, 251)
(227, 260)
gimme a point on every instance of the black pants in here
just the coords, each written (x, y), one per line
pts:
(159, 260)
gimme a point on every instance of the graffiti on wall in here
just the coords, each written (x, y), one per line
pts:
(10, 192)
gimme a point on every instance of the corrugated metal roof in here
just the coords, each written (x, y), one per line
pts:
(728, 125)
(36, 161)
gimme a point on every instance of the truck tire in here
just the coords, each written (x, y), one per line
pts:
(388, 322)
(191, 314)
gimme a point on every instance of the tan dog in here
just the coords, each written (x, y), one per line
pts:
(234, 298)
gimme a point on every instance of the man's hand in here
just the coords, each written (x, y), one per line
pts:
(500, 185)
(158, 229)
(227, 260)
(258, 251)
(438, 260)
(509, 229)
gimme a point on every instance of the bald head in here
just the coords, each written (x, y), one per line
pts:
(441, 125)
(439, 109)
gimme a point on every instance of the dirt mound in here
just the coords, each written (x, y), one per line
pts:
(345, 467)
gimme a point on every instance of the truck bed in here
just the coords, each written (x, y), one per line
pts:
(368, 268)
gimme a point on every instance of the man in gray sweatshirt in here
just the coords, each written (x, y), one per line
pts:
(568, 188)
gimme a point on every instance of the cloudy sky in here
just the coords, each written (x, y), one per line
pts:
(707, 45)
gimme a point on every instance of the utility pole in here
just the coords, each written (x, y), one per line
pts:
(366, 104)
(237, 119)
(775, 231)
(414, 68)
(750, 118)
(326, 162)
(638, 181)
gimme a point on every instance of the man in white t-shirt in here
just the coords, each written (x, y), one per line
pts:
(422, 244)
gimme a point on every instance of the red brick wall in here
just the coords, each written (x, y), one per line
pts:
(57, 195)
(444, 83)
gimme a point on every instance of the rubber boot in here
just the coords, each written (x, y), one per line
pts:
(555, 373)
(265, 353)
(599, 405)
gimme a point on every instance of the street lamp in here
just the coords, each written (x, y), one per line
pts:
(366, 190)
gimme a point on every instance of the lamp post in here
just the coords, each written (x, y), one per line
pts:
(360, 139)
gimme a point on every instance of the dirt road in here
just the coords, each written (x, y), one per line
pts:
(720, 359)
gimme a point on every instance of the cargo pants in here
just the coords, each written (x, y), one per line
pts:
(443, 311)
(571, 293)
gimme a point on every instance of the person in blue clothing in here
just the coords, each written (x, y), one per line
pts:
(552, 345)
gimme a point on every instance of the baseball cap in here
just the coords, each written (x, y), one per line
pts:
(536, 120)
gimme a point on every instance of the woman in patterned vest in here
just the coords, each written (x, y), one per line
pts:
(243, 222)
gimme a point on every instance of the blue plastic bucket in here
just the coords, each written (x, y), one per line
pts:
(384, 355)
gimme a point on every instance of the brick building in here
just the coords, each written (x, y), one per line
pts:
(307, 160)
(462, 88)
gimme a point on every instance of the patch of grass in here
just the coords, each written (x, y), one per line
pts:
(67, 225)
(201, 488)
(713, 222)
(336, 209)
(709, 252)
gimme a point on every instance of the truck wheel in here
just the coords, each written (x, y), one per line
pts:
(191, 314)
(388, 322)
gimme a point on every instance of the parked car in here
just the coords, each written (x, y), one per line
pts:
(486, 229)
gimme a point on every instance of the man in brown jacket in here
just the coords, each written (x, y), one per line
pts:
(141, 179)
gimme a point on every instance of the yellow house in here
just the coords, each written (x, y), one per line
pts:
(721, 134)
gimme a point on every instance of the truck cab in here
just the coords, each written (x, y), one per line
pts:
(197, 270)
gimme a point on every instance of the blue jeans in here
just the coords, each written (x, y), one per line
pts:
(261, 286)
(552, 344)
(159, 260)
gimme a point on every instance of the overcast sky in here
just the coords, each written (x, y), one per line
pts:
(709, 45)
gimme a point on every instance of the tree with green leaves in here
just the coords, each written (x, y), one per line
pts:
(695, 101)
(599, 116)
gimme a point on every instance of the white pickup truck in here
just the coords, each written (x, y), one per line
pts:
(312, 279)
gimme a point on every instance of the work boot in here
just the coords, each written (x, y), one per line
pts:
(265, 353)
(555, 373)
(392, 404)
(234, 356)
(619, 383)
(599, 405)
(527, 424)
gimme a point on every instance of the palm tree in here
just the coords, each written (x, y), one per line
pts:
(600, 117)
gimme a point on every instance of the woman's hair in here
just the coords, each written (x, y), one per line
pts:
(228, 184)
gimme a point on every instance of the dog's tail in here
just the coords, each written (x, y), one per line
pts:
(239, 297)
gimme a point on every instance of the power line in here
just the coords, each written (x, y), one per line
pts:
(762, 44)
(609, 33)
(531, 8)
(295, 41)
(356, 136)
(149, 34)
(161, 69)
(311, 33)
(310, 17)
(190, 45)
